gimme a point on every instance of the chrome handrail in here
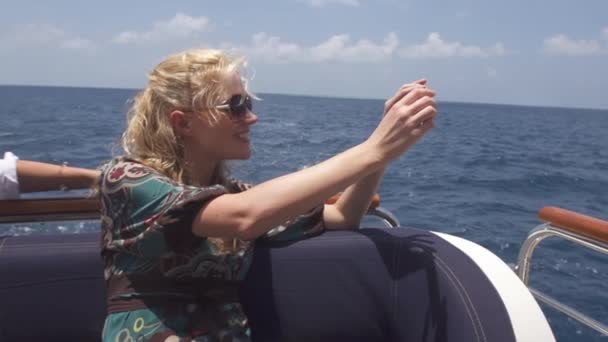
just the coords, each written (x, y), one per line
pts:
(386, 216)
(570, 312)
(524, 259)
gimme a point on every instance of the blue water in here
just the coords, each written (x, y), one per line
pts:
(482, 174)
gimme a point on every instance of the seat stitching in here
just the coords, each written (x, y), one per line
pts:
(458, 290)
(467, 300)
(394, 283)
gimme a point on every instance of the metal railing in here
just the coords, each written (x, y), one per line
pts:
(386, 216)
(524, 260)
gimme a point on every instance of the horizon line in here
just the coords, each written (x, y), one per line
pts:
(320, 96)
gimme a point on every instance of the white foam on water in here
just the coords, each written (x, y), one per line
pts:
(18, 230)
(81, 227)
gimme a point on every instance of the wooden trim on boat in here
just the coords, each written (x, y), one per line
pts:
(575, 222)
(73, 208)
(49, 209)
(373, 205)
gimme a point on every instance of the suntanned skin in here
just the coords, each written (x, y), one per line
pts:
(36, 176)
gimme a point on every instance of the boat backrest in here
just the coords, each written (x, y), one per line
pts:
(368, 285)
(51, 288)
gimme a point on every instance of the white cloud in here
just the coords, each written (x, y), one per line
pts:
(338, 48)
(180, 26)
(126, 37)
(436, 47)
(563, 45)
(322, 3)
(44, 35)
(272, 48)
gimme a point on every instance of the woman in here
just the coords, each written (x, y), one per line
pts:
(179, 232)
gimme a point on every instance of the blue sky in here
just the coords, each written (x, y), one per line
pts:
(516, 52)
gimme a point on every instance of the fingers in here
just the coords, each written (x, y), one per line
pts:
(421, 103)
(425, 116)
(400, 94)
(420, 82)
(423, 129)
(404, 90)
(414, 95)
(416, 104)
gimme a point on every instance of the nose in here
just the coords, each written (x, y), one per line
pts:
(251, 118)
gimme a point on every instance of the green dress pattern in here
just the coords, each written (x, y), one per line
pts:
(163, 282)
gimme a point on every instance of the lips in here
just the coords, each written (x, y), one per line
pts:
(243, 136)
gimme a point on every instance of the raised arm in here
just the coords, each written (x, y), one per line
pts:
(352, 205)
(250, 214)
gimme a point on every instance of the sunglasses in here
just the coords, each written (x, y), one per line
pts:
(238, 105)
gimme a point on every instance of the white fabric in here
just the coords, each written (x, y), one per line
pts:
(528, 320)
(9, 184)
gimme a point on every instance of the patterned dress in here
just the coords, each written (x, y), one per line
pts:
(163, 282)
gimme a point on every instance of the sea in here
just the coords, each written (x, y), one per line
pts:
(482, 174)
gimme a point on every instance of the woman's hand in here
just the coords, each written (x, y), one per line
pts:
(421, 83)
(350, 208)
(409, 115)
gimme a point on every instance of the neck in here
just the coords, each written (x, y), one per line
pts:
(200, 170)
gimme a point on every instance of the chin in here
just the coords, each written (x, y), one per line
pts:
(242, 155)
(247, 155)
(236, 151)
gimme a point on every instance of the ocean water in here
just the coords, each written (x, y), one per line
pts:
(482, 174)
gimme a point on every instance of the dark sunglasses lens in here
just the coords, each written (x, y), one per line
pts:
(239, 106)
(248, 103)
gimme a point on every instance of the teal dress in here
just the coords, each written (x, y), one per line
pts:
(163, 282)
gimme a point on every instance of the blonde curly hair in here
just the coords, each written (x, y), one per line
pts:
(188, 81)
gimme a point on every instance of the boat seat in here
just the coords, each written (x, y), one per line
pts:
(365, 285)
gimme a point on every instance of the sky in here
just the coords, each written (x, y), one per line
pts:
(532, 52)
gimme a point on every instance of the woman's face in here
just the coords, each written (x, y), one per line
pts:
(229, 137)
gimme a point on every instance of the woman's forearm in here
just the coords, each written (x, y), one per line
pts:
(251, 213)
(352, 205)
(36, 176)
